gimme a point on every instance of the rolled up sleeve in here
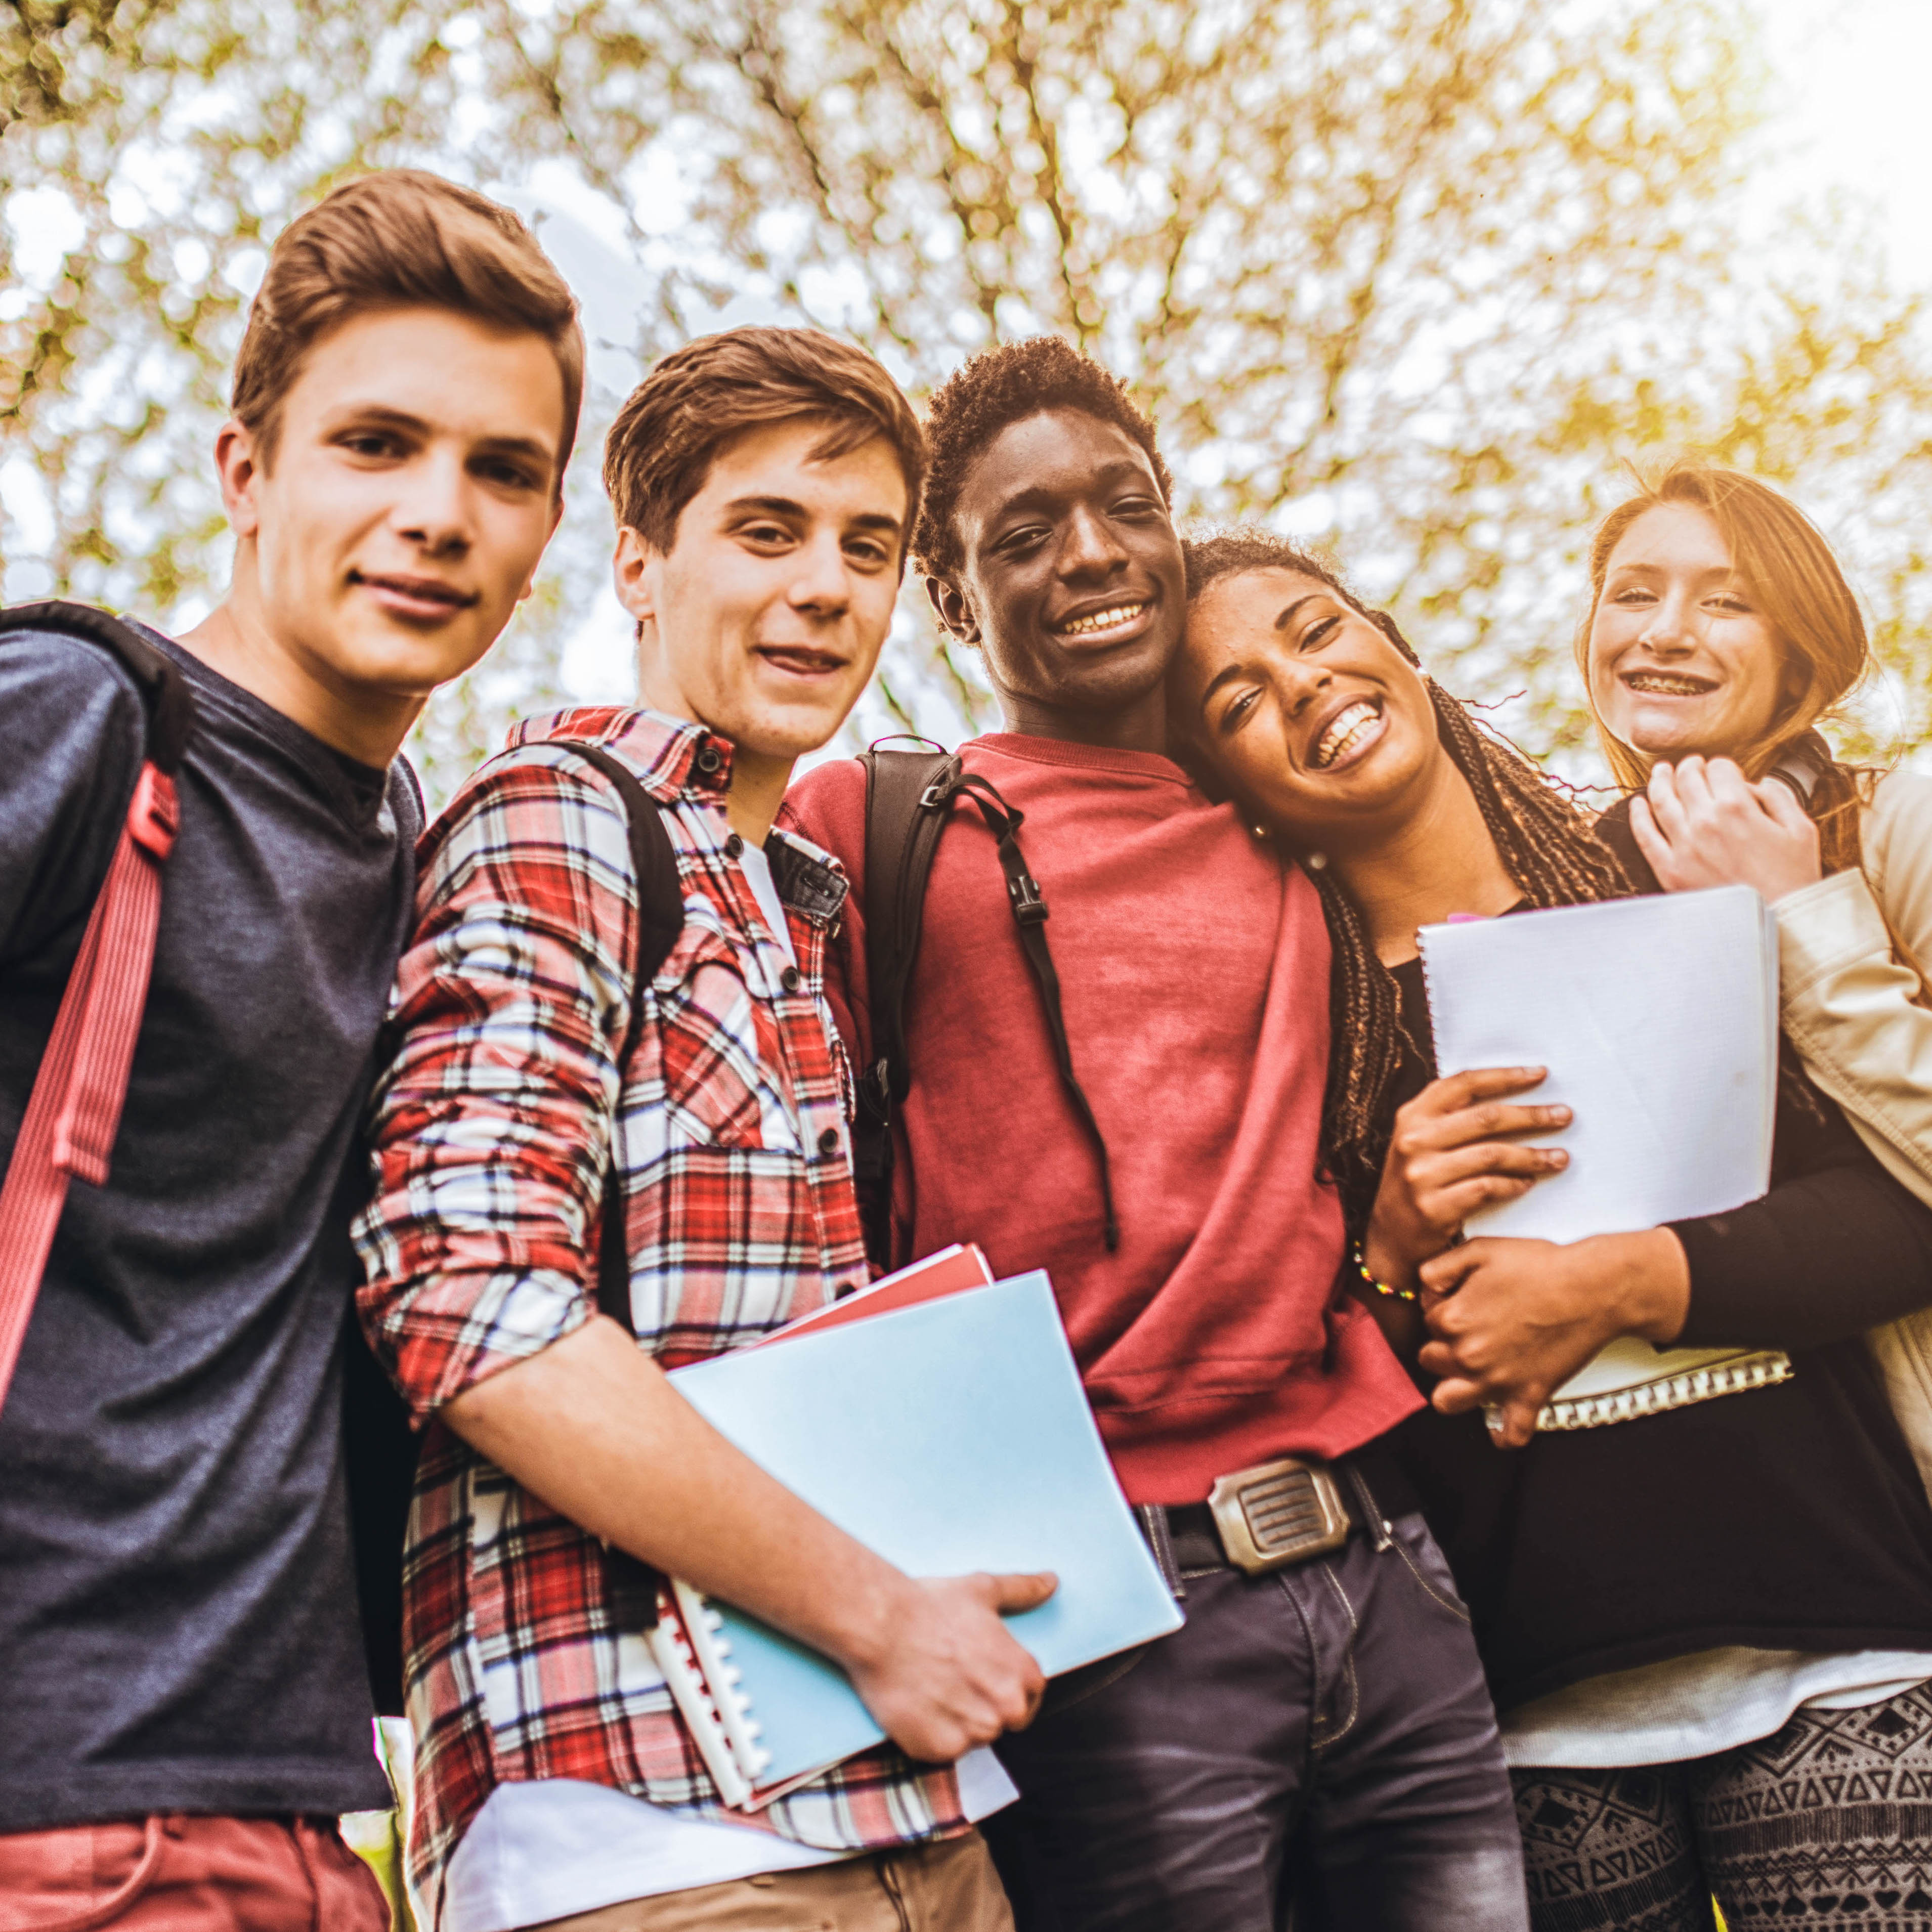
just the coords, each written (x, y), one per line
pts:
(490, 1126)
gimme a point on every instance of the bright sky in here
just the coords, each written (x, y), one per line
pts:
(1851, 84)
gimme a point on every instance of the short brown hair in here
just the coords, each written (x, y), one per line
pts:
(402, 238)
(698, 398)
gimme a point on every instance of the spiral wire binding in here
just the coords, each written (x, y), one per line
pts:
(1668, 1392)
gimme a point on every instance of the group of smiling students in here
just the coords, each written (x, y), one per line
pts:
(1708, 1630)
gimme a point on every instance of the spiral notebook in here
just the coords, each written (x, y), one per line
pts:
(950, 1436)
(1658, 1019)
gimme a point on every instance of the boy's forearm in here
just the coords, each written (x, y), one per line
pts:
(592, 1427)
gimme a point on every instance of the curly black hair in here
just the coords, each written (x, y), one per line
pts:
(990, 392)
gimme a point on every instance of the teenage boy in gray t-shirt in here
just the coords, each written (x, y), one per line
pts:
(187, 1702)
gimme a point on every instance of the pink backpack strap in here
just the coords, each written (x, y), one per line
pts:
(74, 1111)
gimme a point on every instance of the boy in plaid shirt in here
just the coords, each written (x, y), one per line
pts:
(765, 480)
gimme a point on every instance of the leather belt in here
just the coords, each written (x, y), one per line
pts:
(1272, 1515)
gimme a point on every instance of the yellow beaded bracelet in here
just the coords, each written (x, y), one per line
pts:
(1382, 1287)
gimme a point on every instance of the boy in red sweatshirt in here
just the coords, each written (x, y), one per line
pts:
(1320, 1727)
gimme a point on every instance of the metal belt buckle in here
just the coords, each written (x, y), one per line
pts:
(1277, 1513)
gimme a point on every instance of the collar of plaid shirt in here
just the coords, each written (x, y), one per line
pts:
(478, 1245)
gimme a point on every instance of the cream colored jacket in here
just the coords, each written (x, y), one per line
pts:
(1848, 1009)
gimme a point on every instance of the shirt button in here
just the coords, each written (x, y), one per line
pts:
(734, 846)
(828, 1141)
(709, 759)
(789, 979)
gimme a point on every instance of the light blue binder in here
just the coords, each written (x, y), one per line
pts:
(950, 1437)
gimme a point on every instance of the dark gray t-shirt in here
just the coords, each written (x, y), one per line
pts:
(178, 1628)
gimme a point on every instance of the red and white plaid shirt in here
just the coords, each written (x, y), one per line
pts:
(491, 1131)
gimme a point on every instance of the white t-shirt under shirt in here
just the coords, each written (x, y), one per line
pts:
(1691, 1707)
(757, 871)
(552, 1847)
(555, 1847)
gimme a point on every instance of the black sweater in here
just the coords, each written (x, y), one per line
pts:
(1788, 1518)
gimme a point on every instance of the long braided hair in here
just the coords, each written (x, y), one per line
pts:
(1543, 836)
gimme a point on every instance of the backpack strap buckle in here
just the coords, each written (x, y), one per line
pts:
(1029, 902)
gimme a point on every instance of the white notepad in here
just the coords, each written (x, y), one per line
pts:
(1657, 1020)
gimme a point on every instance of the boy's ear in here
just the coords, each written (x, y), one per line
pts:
(632, 574)
(238, 465)
(954, 609)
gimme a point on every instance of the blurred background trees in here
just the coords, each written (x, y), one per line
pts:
(1408, 278)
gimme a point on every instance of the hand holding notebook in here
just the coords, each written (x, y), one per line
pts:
(1656, 1018)
(950, 1435)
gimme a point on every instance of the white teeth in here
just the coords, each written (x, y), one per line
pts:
(1102, 620)
(1343, 733)
(1672, 687)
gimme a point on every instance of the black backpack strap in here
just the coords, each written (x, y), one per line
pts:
(909, 796)
(1805, 761)
(660, 905)
(904, 819)
(162, 684)
(631, 1587)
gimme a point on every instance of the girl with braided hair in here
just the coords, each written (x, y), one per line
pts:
(1653, 1600)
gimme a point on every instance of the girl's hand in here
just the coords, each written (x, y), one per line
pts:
(1704, 824)
(1514, 1320)
(1451, 1153)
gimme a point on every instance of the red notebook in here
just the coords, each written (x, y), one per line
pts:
(946, 1272)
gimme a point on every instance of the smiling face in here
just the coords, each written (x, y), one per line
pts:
(1072, 583)
(1311, 714)
(764, 619)
(1680, 661)
(412, 486)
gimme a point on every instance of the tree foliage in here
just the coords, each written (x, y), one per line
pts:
(1410, 277)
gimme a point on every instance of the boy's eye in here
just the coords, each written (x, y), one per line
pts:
(511, 475)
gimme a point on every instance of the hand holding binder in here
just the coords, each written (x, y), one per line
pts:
(951, 1436)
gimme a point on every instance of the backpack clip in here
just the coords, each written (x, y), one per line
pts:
(153, 813)
(1029, 902)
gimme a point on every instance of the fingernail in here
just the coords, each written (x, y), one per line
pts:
(1560, 1116)
(1557, 1157)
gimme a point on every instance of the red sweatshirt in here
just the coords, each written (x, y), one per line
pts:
(1194, 973)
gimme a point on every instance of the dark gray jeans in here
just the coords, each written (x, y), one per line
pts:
(1315, 1749)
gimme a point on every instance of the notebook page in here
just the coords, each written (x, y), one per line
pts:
(1658, 1019)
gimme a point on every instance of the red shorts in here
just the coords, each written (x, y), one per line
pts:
(181, 1874)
